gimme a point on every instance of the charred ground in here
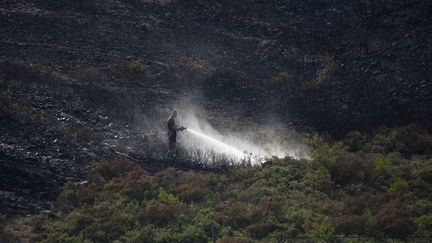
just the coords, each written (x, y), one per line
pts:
(81, 77)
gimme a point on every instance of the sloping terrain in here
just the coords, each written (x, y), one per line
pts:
(81, 78)
(364, 63)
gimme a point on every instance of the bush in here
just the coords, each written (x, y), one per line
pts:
(134, 70)
(354, 141)
(139, 186)
(273, 204)
(365, 201)
(394, 221)
(424, 225)
(286, 198)
(114, 168)
(165, 197)
(322, 156)
(323, 229)
(352, 169)
(383, 167)
(236, 240)
(398, 187)
(144, 235)
(190, 193)
(351, 224)
(260, 230)
(426, 175)
(364, 224)
(159, 215)
(411, 140)
(408, 140)
(298, 216)
(239, 215)
(137, 69)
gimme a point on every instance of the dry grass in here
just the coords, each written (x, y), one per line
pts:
(16, 231)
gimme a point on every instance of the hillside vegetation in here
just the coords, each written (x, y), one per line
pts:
(373, 187)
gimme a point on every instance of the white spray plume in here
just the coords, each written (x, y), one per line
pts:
(257, 143)
(217, 145)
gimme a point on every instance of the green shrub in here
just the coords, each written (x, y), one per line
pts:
(383, 167)
(137, 68)
(323, 229)
(193, 233)
(407, 140)
(424, 225)
(134, 70)
(205, 218)
(315, 141)
(298, 216)
(398, 187)
(340, 191)
(322, 156)
(165, 197)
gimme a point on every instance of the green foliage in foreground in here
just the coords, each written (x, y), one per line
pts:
(375, 186)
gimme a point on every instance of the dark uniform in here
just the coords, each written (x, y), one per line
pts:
(172, 137)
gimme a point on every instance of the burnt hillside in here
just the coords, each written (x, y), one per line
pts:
(365, 62)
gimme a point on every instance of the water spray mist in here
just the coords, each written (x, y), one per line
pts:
(219, 145)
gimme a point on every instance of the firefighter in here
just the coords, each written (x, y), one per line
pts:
(172, 134)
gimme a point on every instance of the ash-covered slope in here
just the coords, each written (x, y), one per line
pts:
(377, 72)
(373, 56)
